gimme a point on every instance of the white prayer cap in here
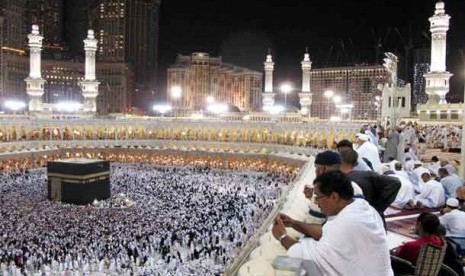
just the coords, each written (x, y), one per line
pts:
(362, 136)
(426, 172)
(420, 171)
(452, 202)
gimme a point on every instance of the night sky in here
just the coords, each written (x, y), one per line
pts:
(337, 32)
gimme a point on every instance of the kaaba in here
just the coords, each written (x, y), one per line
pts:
(78, 180)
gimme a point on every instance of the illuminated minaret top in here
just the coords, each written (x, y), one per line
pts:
(268, 95)
(306, 93)
(437, 80)
(35, 82)
(439, 27)
(306, 67)
(269, 67)
(90, 85)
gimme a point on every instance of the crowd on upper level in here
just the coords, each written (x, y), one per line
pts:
(344, 232)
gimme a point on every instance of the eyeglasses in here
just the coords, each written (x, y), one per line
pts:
(318, 197)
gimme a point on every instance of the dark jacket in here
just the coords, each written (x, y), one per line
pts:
(379, 190)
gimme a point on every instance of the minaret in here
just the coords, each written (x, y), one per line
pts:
(268, 95)
(90, 85)
(437, 80)
(35, 82)
(306, 93)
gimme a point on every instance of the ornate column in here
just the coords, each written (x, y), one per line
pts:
(268, 95)
(90, 85)
(388, 91)
(306, 93)
(35, 82)
(437, 80)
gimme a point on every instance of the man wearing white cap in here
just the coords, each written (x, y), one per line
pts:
(369, 151)
(453, 219)
(418, 170)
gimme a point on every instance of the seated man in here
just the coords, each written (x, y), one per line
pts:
(452, 257)
(453, 219)
(432, 194)
(427, 229)
(450, 182)
(353, 240)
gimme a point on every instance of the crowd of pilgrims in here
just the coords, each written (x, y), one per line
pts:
(181, 221)
(447, 137)
(425, 183)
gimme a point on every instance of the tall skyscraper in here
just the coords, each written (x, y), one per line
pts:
(48, 15)
(2, 94)
(127, 31)
(421, 66)
(79, 16)
(61, 74)
(201, 76)
(13, 44)
(355, 85)
(14, 24)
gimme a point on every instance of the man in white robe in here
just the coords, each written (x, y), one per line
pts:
(410, 135)
(403, 140)
(432, 194)
(352, 242)
(406, 191)
(416, 176)
(453, 219)
(369, 151)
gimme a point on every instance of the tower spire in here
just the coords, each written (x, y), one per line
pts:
(437, 80)
(35, 82)
(269, 68)
(90, 85)
(268, 95)
(306, 93)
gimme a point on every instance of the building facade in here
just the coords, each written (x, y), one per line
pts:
(421, 66)
(48, 15)
(201, 76)
(356, 86)
(116, 87)
(12, 41)
(14, 24)
(62, 78)
(127, 31)
(61, 72)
